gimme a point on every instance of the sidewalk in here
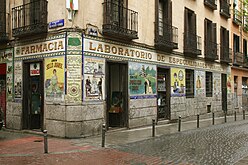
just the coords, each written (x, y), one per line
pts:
(28, 148)
(123, 136)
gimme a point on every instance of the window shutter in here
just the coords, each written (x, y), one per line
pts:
(227, 41)
(222, 42)
(193, 23)
(186, 21)
(170, 12)
(214, 39)
(205, 36)
(3, 16)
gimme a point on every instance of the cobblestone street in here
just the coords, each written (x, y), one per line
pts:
(221, 144)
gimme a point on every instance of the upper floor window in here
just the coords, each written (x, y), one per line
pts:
(224, 45)
(192, 42)
(238, 56)
(237, 14)
(212, 4)
(166, 35)
(245, 47)
(225, 8)
(118, 21)
(210, 40)
(2, 18)
(236, 44)
(29, 18)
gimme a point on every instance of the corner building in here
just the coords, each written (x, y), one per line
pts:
(117, 62)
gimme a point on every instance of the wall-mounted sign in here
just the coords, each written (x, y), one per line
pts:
(54, 24)
(34, 69)
(116, 51)
(40, 48)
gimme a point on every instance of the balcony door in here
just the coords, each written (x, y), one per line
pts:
(118, 13)
(210, 45)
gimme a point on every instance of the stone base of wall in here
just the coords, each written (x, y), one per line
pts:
(142, 111)
(14, 115)
(74, 121)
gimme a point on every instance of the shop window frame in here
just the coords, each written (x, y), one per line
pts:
(190, 83)
(209, 84)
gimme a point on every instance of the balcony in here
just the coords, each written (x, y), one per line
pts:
(237, 18)
(225, 8)
(3, 34)
(166, 36)
(211, 50)
(212, 4)
(119, 22)
(225, 54)
(192, 44)
(29, 19)
(245, 62)
(238, 58)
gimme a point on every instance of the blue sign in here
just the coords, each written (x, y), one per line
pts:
(55, 24)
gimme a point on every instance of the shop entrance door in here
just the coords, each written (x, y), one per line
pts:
(3, 92)
(224, 91)
(117, 111)
(33, 96)
(163, 99)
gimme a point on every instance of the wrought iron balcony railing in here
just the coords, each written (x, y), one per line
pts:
(237, 18)
(211, 4)
(210, 51)
(238, 58)
(3, 33)
(29, 19)
(119, 22)
(225, 54)
(225, 8)
(166, 36)
(192, 44)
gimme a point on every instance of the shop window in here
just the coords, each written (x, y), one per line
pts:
(189, 83)
(244, 85)
(209, 84)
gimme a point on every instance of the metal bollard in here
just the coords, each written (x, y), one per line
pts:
(198, 122)
(243, 114)
(235, 116)
(213, 118)
(103, 134)
(179, 123)
(153, 127)
(225, 115)
(45, 142)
